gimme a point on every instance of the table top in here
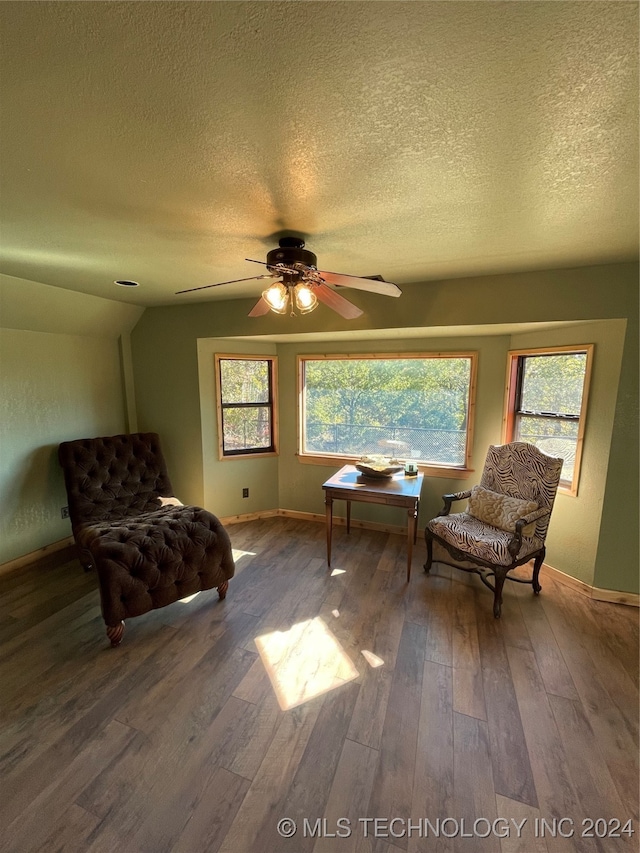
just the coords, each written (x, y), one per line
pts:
(349, 479)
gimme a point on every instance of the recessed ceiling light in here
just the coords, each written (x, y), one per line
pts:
(126, 283)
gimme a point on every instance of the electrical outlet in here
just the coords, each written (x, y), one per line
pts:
(64, 512)
(245, 493)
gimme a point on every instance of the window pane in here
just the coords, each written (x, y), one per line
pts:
(553, 383)
(556, 437)
(246, 429)
(415, 408)
(244, 380)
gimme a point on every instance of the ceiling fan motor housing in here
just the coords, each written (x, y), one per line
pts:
(291, 251)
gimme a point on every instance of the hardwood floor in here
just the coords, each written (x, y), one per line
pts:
(474, 734)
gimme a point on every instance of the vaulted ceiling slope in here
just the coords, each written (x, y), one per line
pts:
(167, 142)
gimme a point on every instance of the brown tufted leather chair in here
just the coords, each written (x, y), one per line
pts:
(146, 554)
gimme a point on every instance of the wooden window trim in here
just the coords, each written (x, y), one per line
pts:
(429, 470)
(453, 472)
(250, 454)
(512, 381)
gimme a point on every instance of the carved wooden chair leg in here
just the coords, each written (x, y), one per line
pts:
(536, 571)
(499, 580)
(222, 590)
(115, 633)
(429, 541)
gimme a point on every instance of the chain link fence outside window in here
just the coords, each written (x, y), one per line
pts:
(438, 446)
(443, 447)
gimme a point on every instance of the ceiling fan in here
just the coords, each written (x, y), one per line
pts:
(300, 282)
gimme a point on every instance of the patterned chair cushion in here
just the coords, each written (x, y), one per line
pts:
(500, 510)
(474, 537)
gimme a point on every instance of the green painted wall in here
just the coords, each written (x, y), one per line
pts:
(572, 542)
(53, 388)
(224, 480)
(165, 353)
(60, 379)
(617, 558)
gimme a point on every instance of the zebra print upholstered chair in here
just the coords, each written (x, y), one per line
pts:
(506, 520)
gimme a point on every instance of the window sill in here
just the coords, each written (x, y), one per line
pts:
(427, 470)
(257, 455)
(569, 490)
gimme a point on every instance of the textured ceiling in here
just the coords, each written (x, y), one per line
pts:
(166, 142)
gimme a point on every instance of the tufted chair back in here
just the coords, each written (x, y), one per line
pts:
(114, 477)
(520, 470)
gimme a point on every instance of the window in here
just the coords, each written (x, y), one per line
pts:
(410, 406)
(546, 404)
(247, 423)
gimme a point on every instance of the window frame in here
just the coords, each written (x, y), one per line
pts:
(272, 404)
(449, 471)
(513, 391)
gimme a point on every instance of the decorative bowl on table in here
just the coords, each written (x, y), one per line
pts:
(378, 467)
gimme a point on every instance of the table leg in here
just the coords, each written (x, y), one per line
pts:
(348, 516)
(328, 502)
(412, 527)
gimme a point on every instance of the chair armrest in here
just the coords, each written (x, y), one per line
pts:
(449, 499)
(516, 540)
(532, 516)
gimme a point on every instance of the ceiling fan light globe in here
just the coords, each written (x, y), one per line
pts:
(306, 300)
(277, 297)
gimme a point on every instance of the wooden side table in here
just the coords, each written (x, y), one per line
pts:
(348, 484)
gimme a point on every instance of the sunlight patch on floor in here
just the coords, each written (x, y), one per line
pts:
(335, 572)
(189, 598)
(371, 659)
(240, 559)
(304, 662)
(238, 554)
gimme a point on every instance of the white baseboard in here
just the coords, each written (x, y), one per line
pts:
(26, 559)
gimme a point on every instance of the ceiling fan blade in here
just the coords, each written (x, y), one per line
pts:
(343, 307)
(260, 308)
(373, 284)
(233, 281)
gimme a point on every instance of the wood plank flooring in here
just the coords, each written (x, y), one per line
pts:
(454, 733)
